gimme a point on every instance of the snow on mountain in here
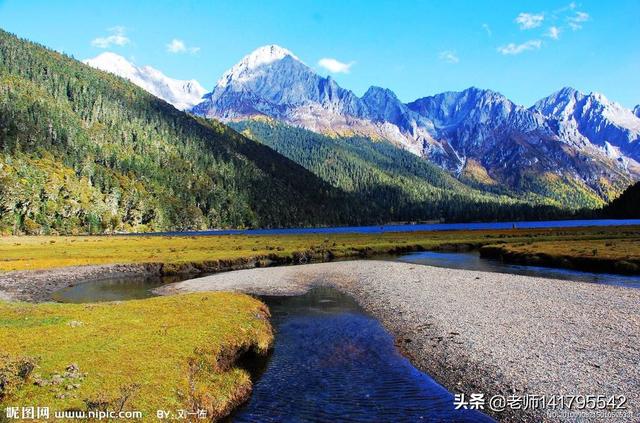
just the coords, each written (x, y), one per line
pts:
(512, 143)
(636, 110)
(477, 107)
(181, 94)
(250, 66)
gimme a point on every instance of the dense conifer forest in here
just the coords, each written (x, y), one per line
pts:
(627, 206)
(395, 182)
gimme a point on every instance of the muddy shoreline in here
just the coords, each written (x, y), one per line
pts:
(477, 332)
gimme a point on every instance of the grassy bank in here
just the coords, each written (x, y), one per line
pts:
(597, 255)
(167, 353)
(211, 253)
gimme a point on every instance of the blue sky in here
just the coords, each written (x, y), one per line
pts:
(526, 50)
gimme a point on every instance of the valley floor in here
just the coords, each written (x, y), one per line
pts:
(477, 332)
(474, 332)
(33, 267)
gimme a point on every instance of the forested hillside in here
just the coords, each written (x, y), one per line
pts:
(85, 151)
(399, 184)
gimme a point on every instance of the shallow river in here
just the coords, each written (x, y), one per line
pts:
(133, 287)
(333, 362)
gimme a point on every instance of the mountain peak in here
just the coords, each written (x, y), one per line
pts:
(568, 91)
(594, 117)
(111, 62)
(560, 103)
(182, 94)
(262, 56)
(267, 54)
(375, 91)
(636, 110)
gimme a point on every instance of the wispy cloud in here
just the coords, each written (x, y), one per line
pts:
(529, 20)
(575, 22)
(512, 48)
(487, 29)
(335, 66)
(117, 37)
(553, 32)
(571, 6)
(179, 46)
(449, 56)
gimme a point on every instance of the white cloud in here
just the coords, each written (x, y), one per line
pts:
(576, 21)
(512, 48)
(553, 32)
(449, 56)
(529, 20)
(335, 66)
(117, 38)
(487, 29)
(178, 46)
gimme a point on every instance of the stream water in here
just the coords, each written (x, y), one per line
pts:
(120, 288)
(537, 224)
(472, 261)
(333, 362)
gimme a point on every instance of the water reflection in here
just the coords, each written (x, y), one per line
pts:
(473, 261)
(126, 287)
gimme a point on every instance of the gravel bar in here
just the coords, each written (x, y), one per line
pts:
(479, 332)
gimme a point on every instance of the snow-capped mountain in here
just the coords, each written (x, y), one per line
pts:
(181, 94)
(474, 122)
(636, 110)
(272, 81)
(592, 118)
(510, 144)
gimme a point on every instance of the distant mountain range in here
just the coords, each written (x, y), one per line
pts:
(566, 140)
